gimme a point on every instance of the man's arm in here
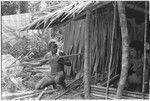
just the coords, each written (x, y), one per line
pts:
(64, 61)
(45, 59)
(39, 63)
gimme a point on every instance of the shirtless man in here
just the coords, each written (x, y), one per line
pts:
(136, 66)
(55, 75)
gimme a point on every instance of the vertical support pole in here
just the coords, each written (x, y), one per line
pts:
(149, 89)
(86, 57)
(96, 31)
(124, 35)
(111, 50)
(144, 64)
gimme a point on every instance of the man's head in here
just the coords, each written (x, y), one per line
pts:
(136, 48)
(53, 47)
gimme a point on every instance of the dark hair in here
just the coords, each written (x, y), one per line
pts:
(137, 45)
(52, 45)
(55, 46)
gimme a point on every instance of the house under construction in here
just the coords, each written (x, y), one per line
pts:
(102, 30)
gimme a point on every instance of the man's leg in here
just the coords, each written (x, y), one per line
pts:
(63, 84)
(54, 85)
(44, 82)
(146, 81)
(60, 79)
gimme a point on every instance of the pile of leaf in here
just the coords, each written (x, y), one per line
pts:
(6, 48)
(19, 77)
(9, 83)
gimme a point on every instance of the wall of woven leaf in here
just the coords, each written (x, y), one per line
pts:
(101, 30)
(101, 33)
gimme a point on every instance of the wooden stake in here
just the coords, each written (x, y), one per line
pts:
(39, 97)
(124, 34)
(149, 89)
(100, 91)
(112, 79)
(86, 58)
(111, 51)
(15, 95)
(144, 65)
(69, 87)
(35, 62)
(96, 32)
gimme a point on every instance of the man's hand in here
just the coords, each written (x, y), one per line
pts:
(137, 63)
(57, 58)
(136, 66)
(31, 63)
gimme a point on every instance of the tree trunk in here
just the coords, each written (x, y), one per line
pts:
(86, 58)
(124, 34)
(23, 6)
(144, 64)
(111, 51)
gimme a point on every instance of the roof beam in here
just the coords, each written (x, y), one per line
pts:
(137, 8)
(98, 5)
(92, 8)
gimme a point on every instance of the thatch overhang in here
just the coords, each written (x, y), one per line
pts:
(75, 11)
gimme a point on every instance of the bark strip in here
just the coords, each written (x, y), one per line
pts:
(86, 58)
(124, 35)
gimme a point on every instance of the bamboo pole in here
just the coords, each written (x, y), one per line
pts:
(144, 65)
(111, 51)
(149, 84)
(86, 58)
(96, 32)
(40, 95)
(28, 63)
(113, 78)
(25, 97)
(137, 8)
(126, 94)
(15, 95)
(124, 35)
(69, 87)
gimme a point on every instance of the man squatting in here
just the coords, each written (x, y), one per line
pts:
(136, 66)
(56, 74)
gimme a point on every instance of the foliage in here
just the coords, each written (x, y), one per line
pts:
(9, 7)
(34, 6)
(8, 81)
(20, 47)
(39, 40)
(14, 7)
(36, 42)
(6, 48)
(23, 6)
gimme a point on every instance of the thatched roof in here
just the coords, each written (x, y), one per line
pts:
(71, 11)
(61, 15)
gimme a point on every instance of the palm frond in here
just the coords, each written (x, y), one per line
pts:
(58, 16)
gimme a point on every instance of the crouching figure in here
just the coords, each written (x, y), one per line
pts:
(135, 72)
(56, 74)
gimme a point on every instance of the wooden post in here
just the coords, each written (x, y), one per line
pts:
(149, 89)
(124, 35)
(111, 50)
(86, 57)
(144, 64)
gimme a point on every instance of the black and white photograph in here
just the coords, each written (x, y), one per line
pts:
(75, 50)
